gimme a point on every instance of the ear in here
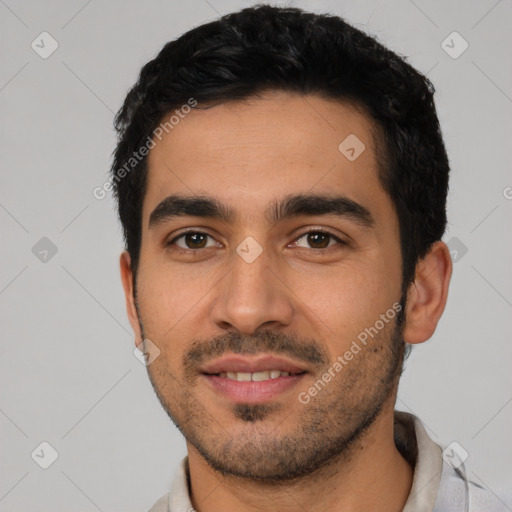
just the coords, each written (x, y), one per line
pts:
(127, 280)
(426, 297)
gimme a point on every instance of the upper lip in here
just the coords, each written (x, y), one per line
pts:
(255, 363)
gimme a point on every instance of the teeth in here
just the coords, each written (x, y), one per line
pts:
(255, 377)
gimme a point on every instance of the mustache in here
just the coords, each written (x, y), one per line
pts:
(306, 350)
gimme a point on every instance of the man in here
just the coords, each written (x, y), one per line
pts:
(281, 181)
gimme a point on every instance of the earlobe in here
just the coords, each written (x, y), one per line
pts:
(427, 295)
(127, 280)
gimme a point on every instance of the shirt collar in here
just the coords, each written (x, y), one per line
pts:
(428, 463)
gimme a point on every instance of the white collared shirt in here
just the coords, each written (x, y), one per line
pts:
(437, 485)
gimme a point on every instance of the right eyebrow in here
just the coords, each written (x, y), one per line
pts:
(195, 206)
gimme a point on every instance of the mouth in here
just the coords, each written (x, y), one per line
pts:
(257, 379)
(255, 376)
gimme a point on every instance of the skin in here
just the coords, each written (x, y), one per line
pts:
(337, 452)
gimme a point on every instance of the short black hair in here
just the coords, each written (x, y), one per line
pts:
(264, 48)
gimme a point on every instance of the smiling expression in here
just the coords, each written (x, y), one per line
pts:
(265, 253)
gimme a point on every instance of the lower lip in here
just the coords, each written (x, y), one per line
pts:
(252, 391)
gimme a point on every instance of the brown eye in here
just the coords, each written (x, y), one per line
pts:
(192, 240)
(195, 240)
(318, 240)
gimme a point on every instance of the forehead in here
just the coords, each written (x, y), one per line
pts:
(248, 153)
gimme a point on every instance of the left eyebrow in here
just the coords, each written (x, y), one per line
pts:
(278, 210)
(313, 205)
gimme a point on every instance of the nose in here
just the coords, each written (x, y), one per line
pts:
(252, 296)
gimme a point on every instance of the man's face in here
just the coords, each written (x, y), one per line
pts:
(259, 294)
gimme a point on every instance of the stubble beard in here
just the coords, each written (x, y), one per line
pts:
(325, 430)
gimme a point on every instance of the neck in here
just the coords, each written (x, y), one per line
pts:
(374, 476)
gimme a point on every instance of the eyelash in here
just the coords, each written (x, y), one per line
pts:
(315, 231)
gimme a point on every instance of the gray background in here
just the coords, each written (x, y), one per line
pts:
(68, 375)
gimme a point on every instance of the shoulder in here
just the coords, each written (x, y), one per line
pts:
(162, 505)
(484, 500)
(458, 493)
(178, 498)
(441, 476)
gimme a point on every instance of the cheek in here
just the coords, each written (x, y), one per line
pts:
(174, 306)
(351, 300)
(171, 290)
(162, 300)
